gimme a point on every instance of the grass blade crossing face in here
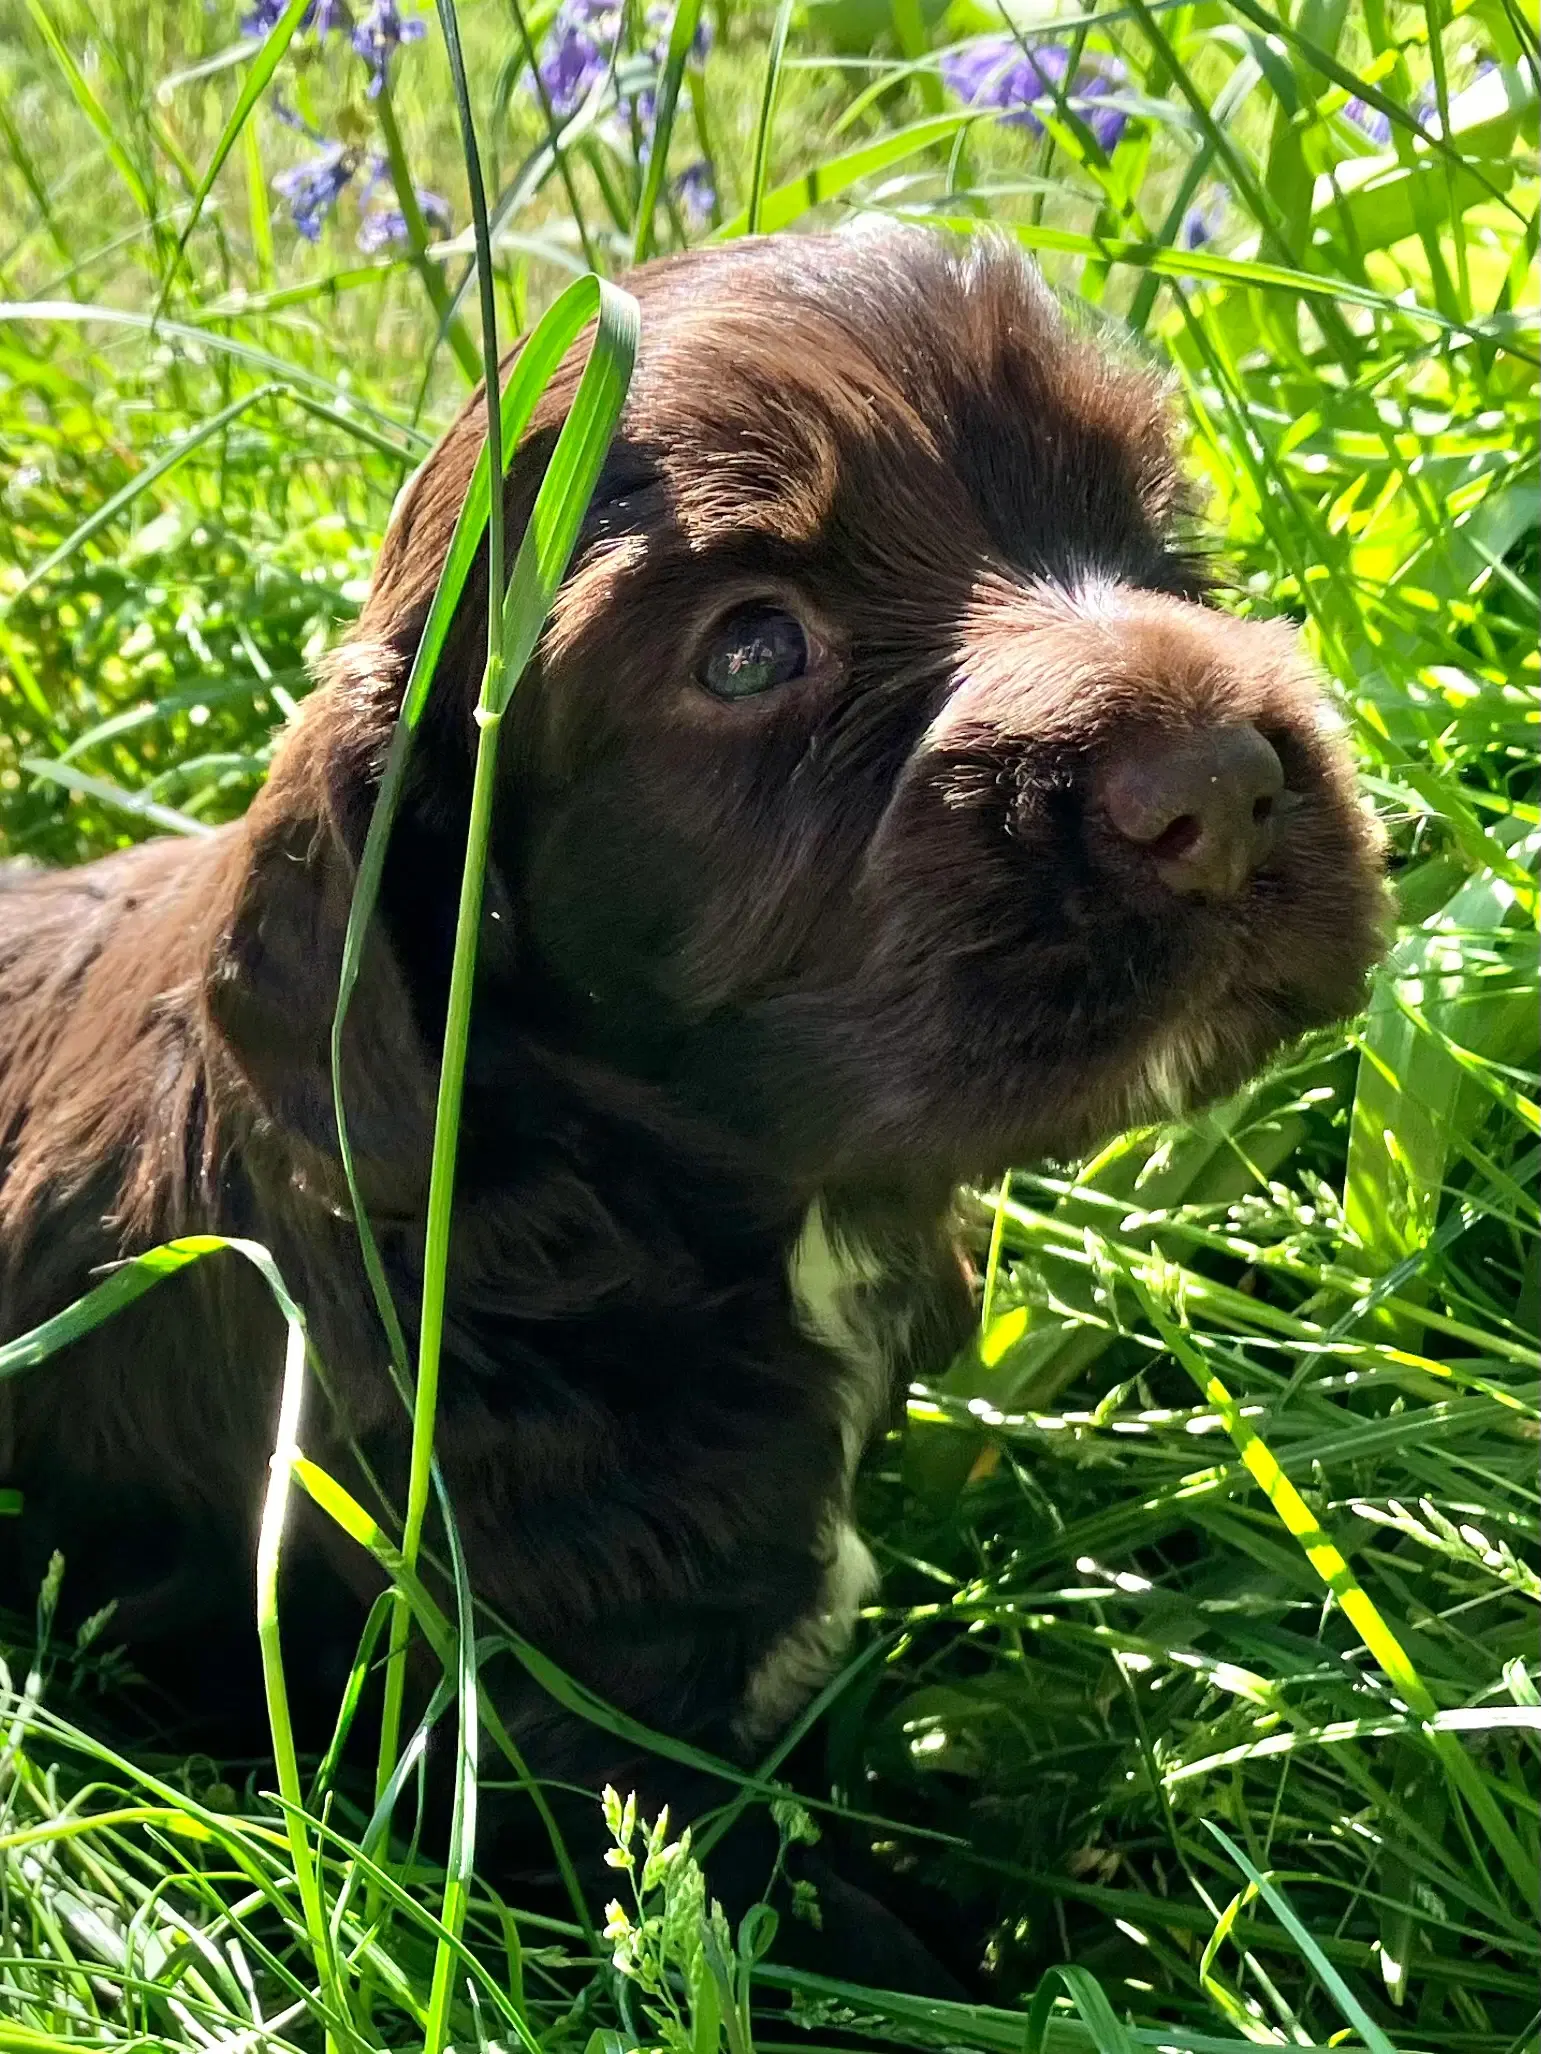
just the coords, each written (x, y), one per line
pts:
(537, 361)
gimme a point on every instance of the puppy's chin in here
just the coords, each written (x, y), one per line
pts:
(984, 1059)
(1145, 1012)
(1212, 1052)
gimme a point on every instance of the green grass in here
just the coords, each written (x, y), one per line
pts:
(1206, 1660)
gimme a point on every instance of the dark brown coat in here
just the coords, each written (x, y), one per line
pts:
(843, 942)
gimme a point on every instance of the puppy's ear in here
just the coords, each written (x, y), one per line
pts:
(276, 957)
(270, 987)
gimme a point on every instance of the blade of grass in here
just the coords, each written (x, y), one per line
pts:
(760, 170)
(681, 36)
(542, 561)
(826, 181)
(538, 359)
(451, 326)
(1501, 331)
(261, 70)
(1372, 2035)
(1090, 2000)
(1328, 1562)
(85, 99)
(461, 1859)
(346, 1512)
(491, 464)
(270, 1532)
(134, 804)
(141, 482)
(295, 376)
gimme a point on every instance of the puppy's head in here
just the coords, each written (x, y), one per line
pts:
(885, 789)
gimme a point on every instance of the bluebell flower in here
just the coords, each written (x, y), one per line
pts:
(576, 54)
(996, 71)
(1104, 117)
(382, 31)
(1370, 121)
(696, 192)
(660, 20)
(312, 188)
(1202, 222)
(382, 226)
(321, 17)
(579, 47)
(1426, 106)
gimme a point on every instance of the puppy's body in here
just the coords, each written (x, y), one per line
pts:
(830, 867)
(659, 1374)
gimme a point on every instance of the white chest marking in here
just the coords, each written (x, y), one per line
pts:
(809, 1653)
(1163, 1086)
(830, 1281)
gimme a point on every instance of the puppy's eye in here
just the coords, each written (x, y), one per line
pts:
(754, 649)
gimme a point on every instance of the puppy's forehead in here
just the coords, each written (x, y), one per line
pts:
(798, 385)
(762, 418)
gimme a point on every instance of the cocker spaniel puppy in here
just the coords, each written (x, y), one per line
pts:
(887, 804)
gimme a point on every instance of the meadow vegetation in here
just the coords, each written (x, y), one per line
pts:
(1204, 1675)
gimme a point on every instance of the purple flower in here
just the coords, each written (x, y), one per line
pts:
(382, 31)
(312, 188)
(1202, 222)
(696, 191)
(996, 71)
(382, 226)
(1106, 120)
(577, 50)
(1426, 106)
(1370, 121)
(660, 20)
(321, 16)
(577, 53)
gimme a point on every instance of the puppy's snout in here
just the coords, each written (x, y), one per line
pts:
(1201, 804)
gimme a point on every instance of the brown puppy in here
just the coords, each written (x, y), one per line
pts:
(886, 805)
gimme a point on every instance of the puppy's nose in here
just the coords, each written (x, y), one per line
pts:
(1201, 804)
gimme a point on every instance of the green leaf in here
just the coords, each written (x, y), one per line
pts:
(92, 108)
(261, 70)
(566, 489)
(538, 359)
(1412, 1088)
(782, 206)
(755, 221)
(128, 1283)
(681, 36)
(1372, 2035)
(1109, 2036)
(141, 482)
(134, 804)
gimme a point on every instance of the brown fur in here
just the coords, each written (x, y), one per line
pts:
(851, 941)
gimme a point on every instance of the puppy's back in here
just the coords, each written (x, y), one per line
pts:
(100, 1058)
